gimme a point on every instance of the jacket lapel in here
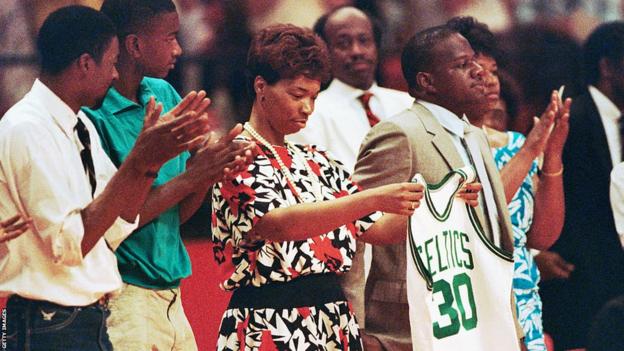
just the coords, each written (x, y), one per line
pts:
(444, 145)
(497, 190)
(439, 138)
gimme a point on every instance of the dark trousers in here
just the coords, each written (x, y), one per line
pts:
(34, 325)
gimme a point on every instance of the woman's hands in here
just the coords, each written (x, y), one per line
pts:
(404, 198)
(538, 137)
(399, 198)
(306, 220)
(557, 138)
(550, 132)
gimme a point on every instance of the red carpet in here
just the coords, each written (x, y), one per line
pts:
(202, 299)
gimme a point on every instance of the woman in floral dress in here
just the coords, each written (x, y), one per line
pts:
(285, 228)
(536, 212)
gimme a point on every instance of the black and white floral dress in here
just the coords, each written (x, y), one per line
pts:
(237, 206)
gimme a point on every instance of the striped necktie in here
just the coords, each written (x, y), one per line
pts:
(85, 154)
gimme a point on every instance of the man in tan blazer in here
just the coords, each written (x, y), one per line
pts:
(440, 68)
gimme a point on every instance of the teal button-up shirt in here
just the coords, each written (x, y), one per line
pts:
(153, 256)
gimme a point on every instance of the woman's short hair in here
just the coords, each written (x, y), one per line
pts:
(479, 36)
(285, 51)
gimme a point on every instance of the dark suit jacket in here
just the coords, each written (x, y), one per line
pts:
(589, 239)
(392, 152)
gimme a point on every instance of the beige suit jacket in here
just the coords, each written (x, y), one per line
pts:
(394, 151)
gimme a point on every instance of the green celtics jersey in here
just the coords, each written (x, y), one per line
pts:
(458, 282)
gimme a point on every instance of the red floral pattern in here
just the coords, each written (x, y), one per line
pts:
(237, 206)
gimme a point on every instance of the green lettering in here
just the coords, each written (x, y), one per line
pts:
(446, 309)
(455, 295)
(447, 243)
(469, 264)
(441, 267)
(429, 257)
(459, 280)
(456, 238)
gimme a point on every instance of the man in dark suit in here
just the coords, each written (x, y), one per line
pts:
(440, 68)
(585, 267)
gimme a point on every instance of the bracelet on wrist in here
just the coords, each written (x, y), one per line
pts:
(553, 174)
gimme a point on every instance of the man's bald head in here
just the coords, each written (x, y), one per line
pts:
(352, 39)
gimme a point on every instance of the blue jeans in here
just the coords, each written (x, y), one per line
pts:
(41, 325)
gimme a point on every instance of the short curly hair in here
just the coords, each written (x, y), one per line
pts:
(284, 51)
(478, 35)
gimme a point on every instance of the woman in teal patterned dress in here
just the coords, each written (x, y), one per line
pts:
(526, 275)
(536, 213)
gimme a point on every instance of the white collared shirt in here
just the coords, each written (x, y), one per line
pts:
(42, 177)
(456, 126)
(339, 124)
(616, 194)
(610, 116)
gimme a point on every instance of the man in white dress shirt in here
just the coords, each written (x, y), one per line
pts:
(53, 170)
(341, 118)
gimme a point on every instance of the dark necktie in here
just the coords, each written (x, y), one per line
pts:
(365, 99)
(85, 154)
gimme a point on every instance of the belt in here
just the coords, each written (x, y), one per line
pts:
(101, 302)
(309, 290)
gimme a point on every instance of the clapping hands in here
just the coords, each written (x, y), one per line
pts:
(181, 129)
(221, 159)
(550, 131)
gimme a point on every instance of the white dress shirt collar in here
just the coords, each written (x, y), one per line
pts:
(61, 113)
(447, 119)
(610, 117)
(606, 107)
(340, 88)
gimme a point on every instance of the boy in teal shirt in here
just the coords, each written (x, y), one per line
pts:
(148, 313)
